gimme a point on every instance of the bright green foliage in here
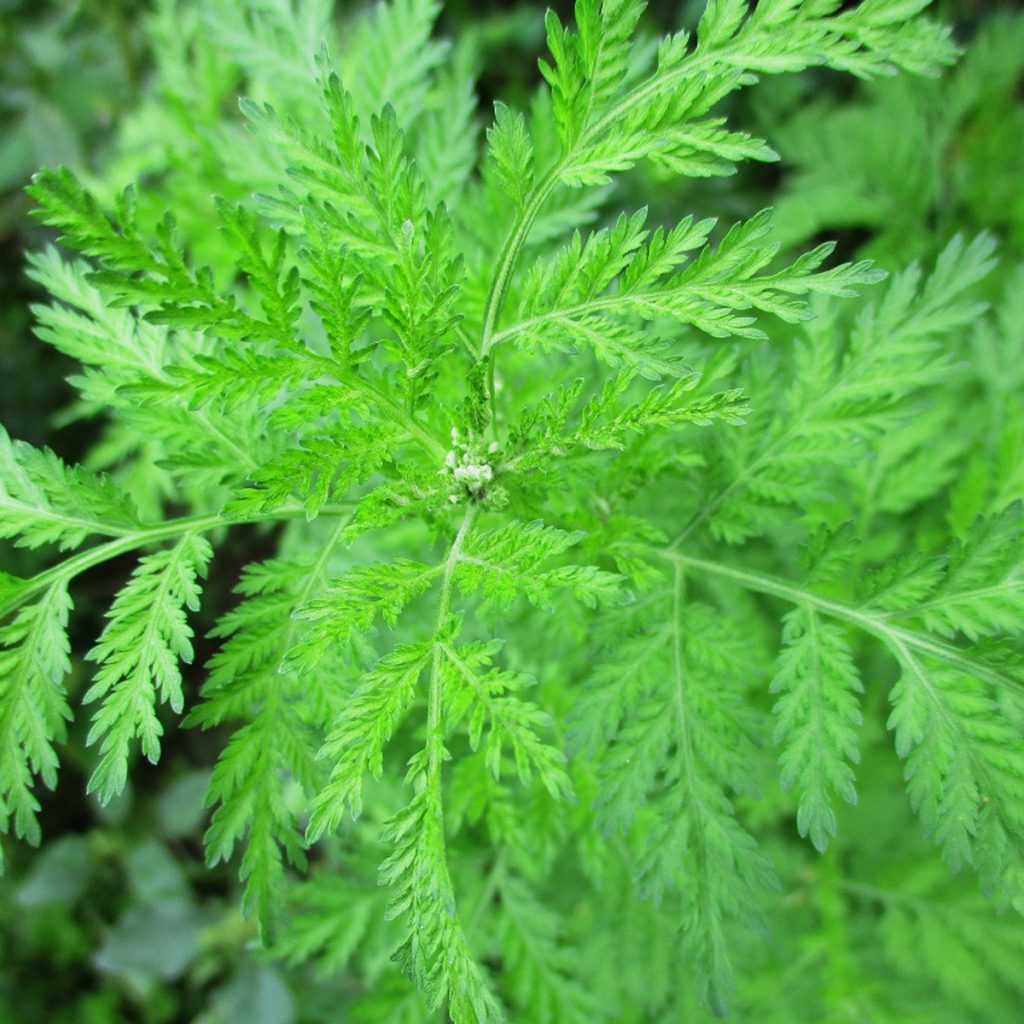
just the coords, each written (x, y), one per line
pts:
(632, 536)
(487, 698)
(608, 123)
(122, 352)
(569, 305)
(845, 392)
(326, 466)
(511, 153)
(818, 719)
(338, 914)
(137, 658)
(353, 603)
(435, 952)
(540, 973)
(964, 765)
(390, 57)
(932, 929)
(964, 770)
(666, 706)
(276, 734)
(42, 501)
(356, 746)
(505, 562)
(33, 663)
(880, 163)
(979, 589)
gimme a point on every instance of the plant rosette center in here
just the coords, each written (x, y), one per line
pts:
(470, 469)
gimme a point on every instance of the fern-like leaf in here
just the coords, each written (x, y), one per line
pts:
(356, 745)
(43, 501)
(505, 563)
(34, 659)
(818, 718)
(137, 658)
(486, 697)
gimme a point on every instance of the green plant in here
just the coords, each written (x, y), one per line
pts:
(534, 492)
(912, 160)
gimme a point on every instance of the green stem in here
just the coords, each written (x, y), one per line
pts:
(510, 254)
(143, 537)
(503, 277)
(896, 638)
(435, 712)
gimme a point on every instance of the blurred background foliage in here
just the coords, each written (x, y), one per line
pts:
(117, 919)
